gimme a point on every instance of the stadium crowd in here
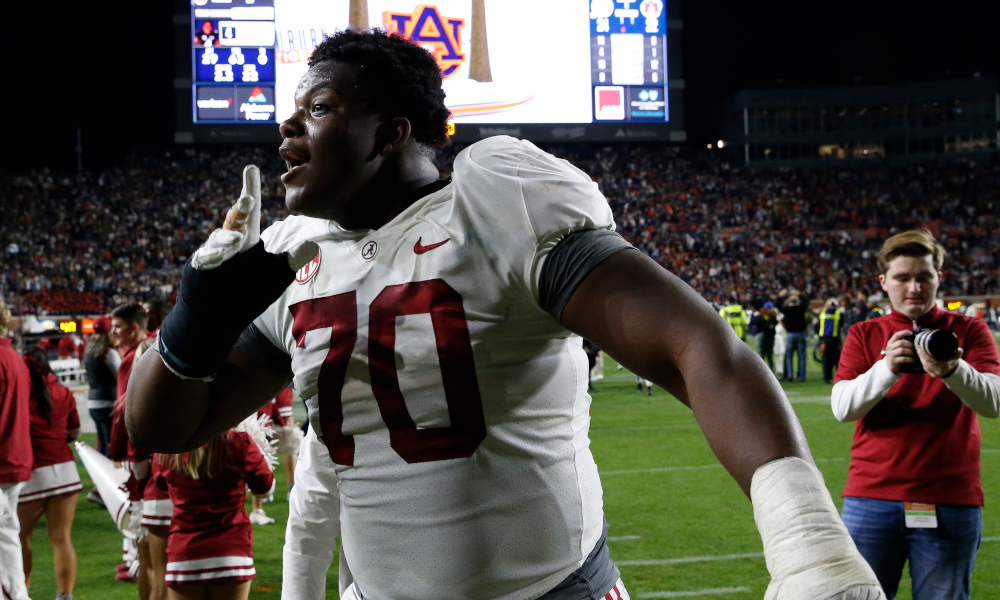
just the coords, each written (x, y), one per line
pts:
(85, 243)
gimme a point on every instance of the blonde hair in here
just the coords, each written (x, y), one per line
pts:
(200, 463)
(144, 345)
(4, 318)
(916, 243)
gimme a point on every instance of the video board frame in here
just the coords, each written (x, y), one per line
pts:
(187, 87)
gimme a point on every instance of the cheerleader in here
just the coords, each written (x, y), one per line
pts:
(289, 436)
(210, 546)
(55, 482)
(270, 414)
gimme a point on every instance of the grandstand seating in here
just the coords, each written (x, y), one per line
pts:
(83, 244)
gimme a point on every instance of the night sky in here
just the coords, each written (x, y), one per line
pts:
(110, 71)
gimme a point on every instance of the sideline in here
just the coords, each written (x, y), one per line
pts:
(688, 594)
(687, 559)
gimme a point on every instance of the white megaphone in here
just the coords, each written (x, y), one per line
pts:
(110, 482)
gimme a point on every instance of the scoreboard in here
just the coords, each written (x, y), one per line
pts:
(538, 69)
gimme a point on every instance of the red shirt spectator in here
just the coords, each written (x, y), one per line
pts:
(920, 443)
(15, 428)
(67, 346)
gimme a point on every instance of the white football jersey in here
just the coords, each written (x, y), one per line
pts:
(454, 406)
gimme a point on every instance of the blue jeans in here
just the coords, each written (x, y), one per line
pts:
(941, 559)
(102, 422)
(795, 344)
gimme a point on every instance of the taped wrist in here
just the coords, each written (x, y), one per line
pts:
(215, 306)
(808, 550)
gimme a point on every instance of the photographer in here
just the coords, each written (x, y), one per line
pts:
(917, 438)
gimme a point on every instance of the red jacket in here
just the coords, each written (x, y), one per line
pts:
(920, 443)
(15, 429)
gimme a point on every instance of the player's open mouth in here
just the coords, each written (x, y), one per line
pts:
(294, 162)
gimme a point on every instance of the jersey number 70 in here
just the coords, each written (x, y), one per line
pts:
(467, 427)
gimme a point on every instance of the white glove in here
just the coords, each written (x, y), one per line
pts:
(241, 231)
(807, 548)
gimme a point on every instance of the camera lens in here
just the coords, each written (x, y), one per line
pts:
(939, 343)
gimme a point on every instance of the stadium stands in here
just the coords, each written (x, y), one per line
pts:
(83, 244)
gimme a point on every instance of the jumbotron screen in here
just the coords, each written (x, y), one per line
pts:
(543, 69)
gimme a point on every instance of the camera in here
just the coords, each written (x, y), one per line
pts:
(939, 343)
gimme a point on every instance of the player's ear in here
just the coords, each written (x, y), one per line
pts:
(881, 281)
(391, 135)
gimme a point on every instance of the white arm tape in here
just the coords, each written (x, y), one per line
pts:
(808, 551)
(979, 391)
(853, 399)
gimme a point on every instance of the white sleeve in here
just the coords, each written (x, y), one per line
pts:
(313, 524)
(852, 399)
(979, 391)
(527, 200)
(113, 360)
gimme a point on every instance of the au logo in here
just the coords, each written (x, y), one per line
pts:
(426, 26)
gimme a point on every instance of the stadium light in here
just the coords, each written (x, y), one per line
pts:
(721, 143)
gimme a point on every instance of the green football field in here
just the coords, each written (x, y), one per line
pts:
(680, 526)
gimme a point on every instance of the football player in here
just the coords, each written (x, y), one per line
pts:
(434, 328)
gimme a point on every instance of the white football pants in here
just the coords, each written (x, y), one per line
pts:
(313, 525)
(11, 561)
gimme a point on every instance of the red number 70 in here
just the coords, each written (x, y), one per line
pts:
(458, 373)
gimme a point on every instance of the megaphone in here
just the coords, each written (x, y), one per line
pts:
(110, 482)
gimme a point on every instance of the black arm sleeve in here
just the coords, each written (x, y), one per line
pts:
(255, 343)
(569, 263)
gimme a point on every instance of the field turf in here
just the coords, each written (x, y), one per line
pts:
(679, 525)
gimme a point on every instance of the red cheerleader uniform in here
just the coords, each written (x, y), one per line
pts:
(53, 472)
(211, 539)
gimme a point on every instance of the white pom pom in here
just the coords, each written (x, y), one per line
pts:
(258, 427)
(289, 440)
(4, 505)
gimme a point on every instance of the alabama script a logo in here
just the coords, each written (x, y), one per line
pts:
(426, 26)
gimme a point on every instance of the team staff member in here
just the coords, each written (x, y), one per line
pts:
(473, 295)
(15, 459)
(917, 438)
(55, 482)
(829, 337)
(734, 314)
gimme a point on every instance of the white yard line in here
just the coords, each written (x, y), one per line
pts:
(635, 427)
(995, 538)
(621, 538)
(695, 467)
(687, 559)
(810, 400)
(990, 450)
(660, 470)
(694, 593)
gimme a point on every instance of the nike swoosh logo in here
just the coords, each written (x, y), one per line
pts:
(418, 249)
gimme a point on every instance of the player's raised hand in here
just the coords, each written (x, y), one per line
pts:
(808, 551)
(241, 229)
(228, 282)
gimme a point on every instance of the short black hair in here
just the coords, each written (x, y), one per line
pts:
(399, 78)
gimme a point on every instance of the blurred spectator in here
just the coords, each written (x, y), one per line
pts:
(84, 243)
(15, 458)
(796, 318)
